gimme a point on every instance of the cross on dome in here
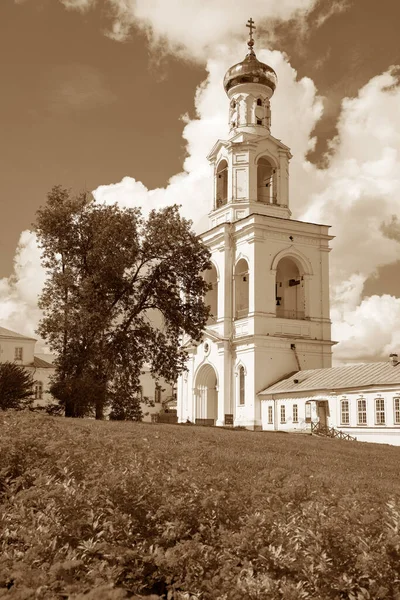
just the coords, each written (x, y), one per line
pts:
(252, 27)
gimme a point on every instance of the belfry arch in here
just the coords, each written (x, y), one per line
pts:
(266, 181)
(290, 289)
(221, 183)
(206, 393)
(241, 289)
(211, 297)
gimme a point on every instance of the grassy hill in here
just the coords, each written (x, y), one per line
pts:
(102, 510)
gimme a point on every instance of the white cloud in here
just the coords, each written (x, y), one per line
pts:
(81, 5)
(193, 28)
(18, 295)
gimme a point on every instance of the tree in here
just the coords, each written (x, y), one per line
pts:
(16, 386)
(120, 292)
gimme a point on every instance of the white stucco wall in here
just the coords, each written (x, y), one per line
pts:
(387, 433)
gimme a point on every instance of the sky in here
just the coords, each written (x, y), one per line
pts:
(125, 98)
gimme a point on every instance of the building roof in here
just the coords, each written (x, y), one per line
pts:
(7, 333)
(338, 378)
(39, 363)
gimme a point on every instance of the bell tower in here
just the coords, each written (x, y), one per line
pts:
(270, 276)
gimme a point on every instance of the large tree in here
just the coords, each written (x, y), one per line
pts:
(16, 386)
(120, 291)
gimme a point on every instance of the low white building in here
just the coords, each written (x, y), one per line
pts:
(20, 349)
(361, 400)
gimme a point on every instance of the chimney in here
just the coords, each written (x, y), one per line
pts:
(393, 358)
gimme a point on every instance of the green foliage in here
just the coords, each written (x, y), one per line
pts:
(120, 292)
(110, 511)
(16, 386)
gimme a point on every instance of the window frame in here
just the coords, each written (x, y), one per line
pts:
(396, 411)
(283, 413)
(270, 415)
(18, 353)
(38, 390)
(361, 422)
(381, 411)
(344, 421)
(295, 413)
(157, 393)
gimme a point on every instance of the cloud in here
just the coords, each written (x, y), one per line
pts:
(82, 5)
(19, 293)
(192, 28)
(358, 195)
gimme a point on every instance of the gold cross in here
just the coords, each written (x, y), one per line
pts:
(251, 26)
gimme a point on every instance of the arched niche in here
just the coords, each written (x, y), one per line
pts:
(241, 385)
(206, 392)
(211, 297)
(241, 289)
(266, 181)
(289, 288)
(222, 183)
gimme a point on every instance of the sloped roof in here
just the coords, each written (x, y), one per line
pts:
(7, 333)
(338, 378)
(39, 363)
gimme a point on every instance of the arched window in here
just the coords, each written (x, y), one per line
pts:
(211, 298)
(266, 181)
(289, 288)
(242, 386)
(344, 412)
(222, 183)
(259, 102)
(241, 289)
(38, 390)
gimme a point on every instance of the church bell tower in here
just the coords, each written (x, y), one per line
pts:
(270, 275)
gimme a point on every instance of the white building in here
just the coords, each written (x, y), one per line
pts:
(270, 274)
(20, 349)
(361, 400)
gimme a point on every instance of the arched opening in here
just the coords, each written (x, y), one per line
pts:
(241, 289)
(206, 395)
(222, 184)
(290, 300)
(259, 102)
(211, 297)
(266, 181)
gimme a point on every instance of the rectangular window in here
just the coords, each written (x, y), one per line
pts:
(295, 413)
(283, 413)
(38, 390)
(379, 411)
(344, 412)
(396, 402)
(18, 354)
(157, 393)
(361, 412)
(270, 417)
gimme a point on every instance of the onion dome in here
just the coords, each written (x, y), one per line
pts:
(250, 70)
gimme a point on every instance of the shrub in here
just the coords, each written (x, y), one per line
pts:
(112, 510)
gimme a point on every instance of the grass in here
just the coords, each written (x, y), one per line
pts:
(107, 510)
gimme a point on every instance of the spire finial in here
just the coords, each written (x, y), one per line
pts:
(250, 43)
